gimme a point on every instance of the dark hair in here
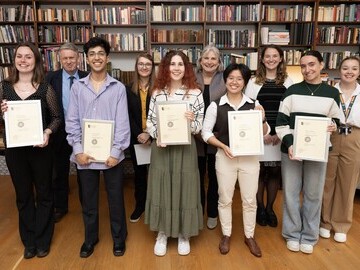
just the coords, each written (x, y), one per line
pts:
(97, 41)
(38, 75)
(244, 70)
(313, 53)
(163, 78)
(281, 73)
(136, 79)
(353, 57)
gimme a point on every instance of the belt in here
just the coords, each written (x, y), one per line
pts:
(345, 129)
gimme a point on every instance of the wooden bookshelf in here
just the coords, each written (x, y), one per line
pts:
(236, 27)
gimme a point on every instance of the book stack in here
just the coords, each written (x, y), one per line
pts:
(279, 37)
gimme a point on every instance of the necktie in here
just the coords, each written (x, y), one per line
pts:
(71, 80)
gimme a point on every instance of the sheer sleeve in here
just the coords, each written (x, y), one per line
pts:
(54, 110)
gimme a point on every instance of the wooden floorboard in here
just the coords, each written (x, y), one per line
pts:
(204, 254)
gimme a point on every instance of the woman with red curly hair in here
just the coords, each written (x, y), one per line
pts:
(173, 204)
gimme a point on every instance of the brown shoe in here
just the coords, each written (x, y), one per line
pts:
(254, 248)
(224, 245)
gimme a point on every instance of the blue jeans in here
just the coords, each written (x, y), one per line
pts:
(301, 218)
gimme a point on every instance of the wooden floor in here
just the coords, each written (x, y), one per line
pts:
(204, 254)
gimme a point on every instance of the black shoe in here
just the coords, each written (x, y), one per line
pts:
(271, 219)
(261, 217)
(40, 253)
(58, 215)
(87, 250)
(119, 249)
(29, 252)
(135, 216)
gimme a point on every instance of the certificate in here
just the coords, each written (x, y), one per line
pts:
(23, 123)
(271, 153)
(172, 125)
(246, 133)
(311, 139)
(143, 153)
(98, 136)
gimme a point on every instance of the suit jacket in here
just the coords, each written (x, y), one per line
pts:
(134, 107)
(54, 78)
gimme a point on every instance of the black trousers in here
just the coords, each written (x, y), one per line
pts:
(212, 195)
(140, 181)
(61, 175)
(31, 167)
(114, 181)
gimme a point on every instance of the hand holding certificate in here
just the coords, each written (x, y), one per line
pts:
(173, 127)
(246, 133)
(98, 138)
(23, 123)
(311, 139)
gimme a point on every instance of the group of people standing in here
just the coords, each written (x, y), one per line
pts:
(171, 190)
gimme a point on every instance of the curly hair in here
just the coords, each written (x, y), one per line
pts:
(281, 73)
(163, 77)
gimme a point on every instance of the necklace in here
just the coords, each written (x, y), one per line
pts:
(313, 92)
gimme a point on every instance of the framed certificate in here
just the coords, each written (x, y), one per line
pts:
(246, 133)
(172, 125)
(23, 123)
(98, 136)
(311, 139)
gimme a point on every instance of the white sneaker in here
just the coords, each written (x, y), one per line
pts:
(306, 248)
(340, 237)
(324, 233)
(212, 223)
(293, 246)
(183, 245)
(160, 245)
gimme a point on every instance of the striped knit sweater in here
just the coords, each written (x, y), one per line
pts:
(298, 100)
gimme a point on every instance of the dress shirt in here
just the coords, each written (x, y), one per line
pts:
(110, 103)
(353, 119)
(66, 88)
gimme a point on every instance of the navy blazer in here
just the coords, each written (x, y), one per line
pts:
(54, 78)
(134, 108)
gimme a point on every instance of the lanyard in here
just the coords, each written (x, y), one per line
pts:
(348, 110)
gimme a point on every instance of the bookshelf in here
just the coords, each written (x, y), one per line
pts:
(238, 28)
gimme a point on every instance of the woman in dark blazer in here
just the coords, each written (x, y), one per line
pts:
(138, 94)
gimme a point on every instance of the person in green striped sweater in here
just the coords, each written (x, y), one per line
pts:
(311, 97)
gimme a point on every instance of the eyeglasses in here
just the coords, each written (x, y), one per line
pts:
(99, 54)
(143, 65)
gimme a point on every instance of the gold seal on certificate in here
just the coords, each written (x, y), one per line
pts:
(23, 123)
(98, 136)
(311, 139)
(246, 133)
(173, 127)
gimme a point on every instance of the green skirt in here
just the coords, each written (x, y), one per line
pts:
(173, 203)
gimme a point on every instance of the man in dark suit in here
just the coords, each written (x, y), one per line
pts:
(61, 80)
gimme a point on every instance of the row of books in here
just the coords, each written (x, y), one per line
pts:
(4, 72)
(176, 35)
(6, 54)
(126, 77)
(126, 42)
(292, 57)
(193, 53)
(160, 13)
(232, 38)
(233, 13)
(332, 60)
(301, 33)
(22, 13)
(338, 35)
(301, 13)
(16, 33)
(62, 33)
(339, 13)
(120, 15)
(250, 59)
(63, 15)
